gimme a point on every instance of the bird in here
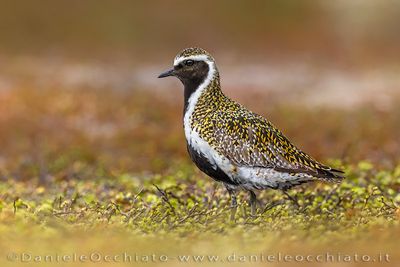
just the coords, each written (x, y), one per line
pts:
(232, 144)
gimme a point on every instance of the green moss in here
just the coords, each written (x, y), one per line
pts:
(187, 203)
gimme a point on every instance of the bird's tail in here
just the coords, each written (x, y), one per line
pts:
(330, 174)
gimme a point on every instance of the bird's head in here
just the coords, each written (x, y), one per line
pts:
(192, 67)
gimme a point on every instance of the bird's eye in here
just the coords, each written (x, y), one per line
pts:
(189, 62)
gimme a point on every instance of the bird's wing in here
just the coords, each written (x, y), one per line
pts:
(252, 141)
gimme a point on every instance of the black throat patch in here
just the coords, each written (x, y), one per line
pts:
(193, 80)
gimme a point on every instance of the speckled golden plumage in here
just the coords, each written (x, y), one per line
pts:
(246, 138)
(193, 51)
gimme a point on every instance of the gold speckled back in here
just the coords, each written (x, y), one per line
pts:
(248, 139)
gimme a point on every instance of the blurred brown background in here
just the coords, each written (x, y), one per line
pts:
(365, 32)
(255, 43)
(78, 80)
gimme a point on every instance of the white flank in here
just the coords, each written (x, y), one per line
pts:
(256, 177)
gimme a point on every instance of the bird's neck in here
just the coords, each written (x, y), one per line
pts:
(196, 89)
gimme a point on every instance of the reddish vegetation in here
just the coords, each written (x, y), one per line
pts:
(46, 132)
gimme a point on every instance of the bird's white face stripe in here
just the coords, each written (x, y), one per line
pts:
(191, 136)
(205, 58)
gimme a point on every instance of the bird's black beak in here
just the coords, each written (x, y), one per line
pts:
(167, 74)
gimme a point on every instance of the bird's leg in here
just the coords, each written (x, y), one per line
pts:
(232, 194)
(253, 203)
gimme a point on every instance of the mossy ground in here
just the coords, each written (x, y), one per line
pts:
(150, 212)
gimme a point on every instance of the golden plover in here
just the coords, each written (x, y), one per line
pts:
(233, 145)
